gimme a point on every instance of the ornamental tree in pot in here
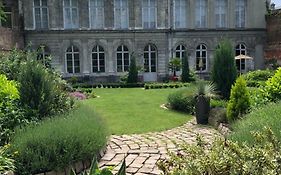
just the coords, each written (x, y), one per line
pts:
(202, 102)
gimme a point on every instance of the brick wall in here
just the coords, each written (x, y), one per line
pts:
(273, 49)
(10, 39)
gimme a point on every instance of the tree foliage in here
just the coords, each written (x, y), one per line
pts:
(224, 70)
(133, 71)
(239, 102)
(185, 76)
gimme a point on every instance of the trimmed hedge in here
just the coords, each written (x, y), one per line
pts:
(108, 85)
(59, 142)
(165, 85)
(258, 78)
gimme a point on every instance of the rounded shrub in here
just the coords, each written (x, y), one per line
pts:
(58, 142)
(258, 77)
(272, 87)
(182, 100)
(239, 102)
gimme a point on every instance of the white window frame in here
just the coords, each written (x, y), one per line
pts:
(73, 60)
(127, 18)
(220, 10)
(242, 62)
(122, 52)
(41, 7)
(181, 51)
(201, 25)
(98, 52)
(201, 50)
(92, 26)
(238, 9)
(149, 7)
(71, 7)
(149, 52)
(181, 13)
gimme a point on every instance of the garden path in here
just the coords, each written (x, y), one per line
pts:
(143, 151)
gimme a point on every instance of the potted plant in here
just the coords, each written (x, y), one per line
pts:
(202, 101)
(174, 66)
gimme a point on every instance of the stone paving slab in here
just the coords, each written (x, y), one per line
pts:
(143, 151)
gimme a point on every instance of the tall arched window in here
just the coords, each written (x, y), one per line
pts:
(123, 59)
(240, 13)
(240, 49)
(43, 53)
(72, 60)
(98, 59)
(201, 57)
(180, 52)
(150, 58)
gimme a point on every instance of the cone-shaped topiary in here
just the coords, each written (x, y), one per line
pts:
(239, 102)
(133, 72)
(185, 76)
(224, 70)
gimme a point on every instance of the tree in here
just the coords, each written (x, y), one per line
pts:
(175, 65)
(133, 71)
(224, 70)
(239, 102)
(185, 75)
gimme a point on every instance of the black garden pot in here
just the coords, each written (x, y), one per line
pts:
(202, 109)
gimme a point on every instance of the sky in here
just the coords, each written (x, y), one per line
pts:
(277, 2)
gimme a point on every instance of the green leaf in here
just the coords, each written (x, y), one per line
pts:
(72, 172)
(106, 171)
(122, 170)
(94, 167)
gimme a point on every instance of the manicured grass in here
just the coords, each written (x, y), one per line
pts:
(130, 111)
(268, 116)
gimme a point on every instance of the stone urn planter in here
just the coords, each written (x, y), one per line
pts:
(202, 109)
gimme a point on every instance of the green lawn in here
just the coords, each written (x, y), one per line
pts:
(130, 111)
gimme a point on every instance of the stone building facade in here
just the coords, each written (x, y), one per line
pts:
(96, 38)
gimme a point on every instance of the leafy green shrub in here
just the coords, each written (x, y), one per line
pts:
(11, 115)
(239, 102)
(133, 72)
(182, 100)
(225, 157)
(224, 70)
(268, 116)
(257, 98)
(6, 163)
(58, 142)
(10, 63)
(218, 103)
(40, 91)
(258, 78)
(272, 88)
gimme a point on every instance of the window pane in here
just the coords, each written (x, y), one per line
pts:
(75, 18)
(36, 2)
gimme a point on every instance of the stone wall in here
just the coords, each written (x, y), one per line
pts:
(273, 49)
(10, 39)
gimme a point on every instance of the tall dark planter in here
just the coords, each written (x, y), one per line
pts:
(202, 109)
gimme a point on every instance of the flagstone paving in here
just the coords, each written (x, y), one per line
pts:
(143, 151)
